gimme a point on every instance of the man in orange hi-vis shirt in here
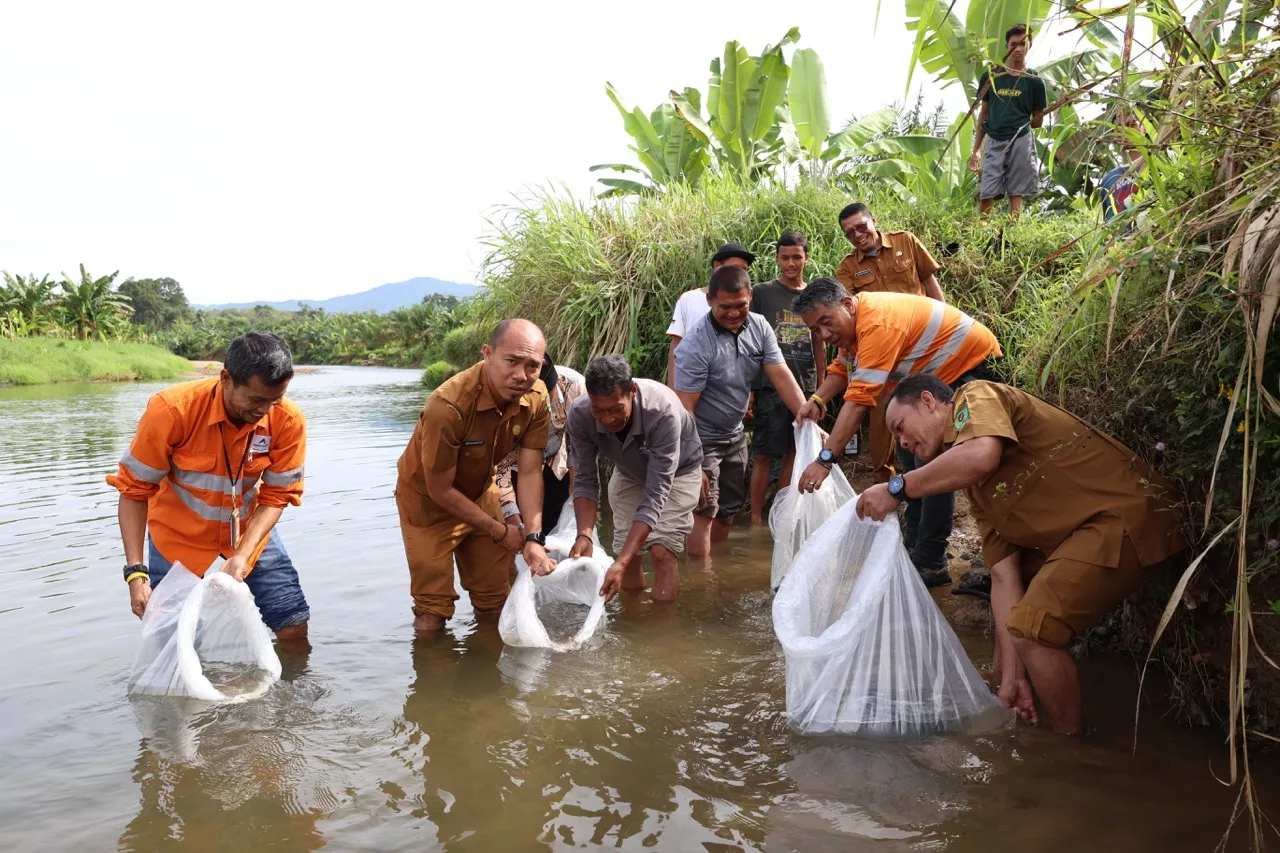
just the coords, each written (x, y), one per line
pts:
(211, 468)
(883, 338)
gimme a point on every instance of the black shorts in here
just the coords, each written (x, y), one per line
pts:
(772, 425)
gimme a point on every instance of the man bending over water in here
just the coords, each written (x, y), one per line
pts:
(1072, 521)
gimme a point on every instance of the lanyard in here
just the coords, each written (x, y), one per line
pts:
(235, 480)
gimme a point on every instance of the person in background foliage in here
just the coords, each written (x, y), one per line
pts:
(883, 338)
(772, 433)
(448, 501)
(210, 456)
(642, 428)
(716, 365)
(884, 262)
(563, 387)
(1072, 522)
(692, 305)
(1013, 104)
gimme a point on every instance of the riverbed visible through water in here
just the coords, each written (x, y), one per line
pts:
(668, 735)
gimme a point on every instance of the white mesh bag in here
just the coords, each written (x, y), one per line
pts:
(564, 609)
(868, 652)
(196, 632)
(796, 516)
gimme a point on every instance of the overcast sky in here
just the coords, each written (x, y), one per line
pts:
(273, 150)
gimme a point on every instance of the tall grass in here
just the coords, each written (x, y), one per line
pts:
(39, 360)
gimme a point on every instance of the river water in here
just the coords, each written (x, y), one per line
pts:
(670, 735)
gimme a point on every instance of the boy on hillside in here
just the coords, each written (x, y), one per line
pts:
(1013, 104)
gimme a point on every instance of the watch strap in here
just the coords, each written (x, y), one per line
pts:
(135, 571)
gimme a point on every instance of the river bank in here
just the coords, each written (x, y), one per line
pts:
(42, 360)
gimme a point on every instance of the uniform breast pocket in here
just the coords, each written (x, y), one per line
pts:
(903, 264)
(473, 449)
(196, 471)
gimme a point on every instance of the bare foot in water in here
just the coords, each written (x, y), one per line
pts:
(428, 622)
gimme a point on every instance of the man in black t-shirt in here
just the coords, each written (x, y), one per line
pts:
(772, 434)
(1013, 103)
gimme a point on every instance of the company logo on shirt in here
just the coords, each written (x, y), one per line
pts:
(261, 445)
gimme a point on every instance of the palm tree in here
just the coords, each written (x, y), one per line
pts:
(90, 303)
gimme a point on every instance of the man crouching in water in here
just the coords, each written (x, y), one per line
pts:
(448, 501)
(1072, 522)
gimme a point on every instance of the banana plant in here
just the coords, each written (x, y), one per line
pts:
(90, 303)
(746, 98)
(669, 152)
(912, 165)
(955, 52)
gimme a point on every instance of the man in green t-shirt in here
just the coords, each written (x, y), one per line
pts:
(1013, 102)
(771, 423)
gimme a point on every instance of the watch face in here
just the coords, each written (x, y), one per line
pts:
(895, 486)
(826, 455)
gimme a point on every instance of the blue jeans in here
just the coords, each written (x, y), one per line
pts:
(273, 582)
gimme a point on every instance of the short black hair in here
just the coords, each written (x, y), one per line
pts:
(909, 389)
(794, 238)
(261, 354)
(729, 279)
(1016, 30)
(819, 292)
(852, 210)
(607, 373)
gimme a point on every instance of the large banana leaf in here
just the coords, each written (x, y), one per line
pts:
(913, 146)
(988, 20)
(941, 46)
(807, 95)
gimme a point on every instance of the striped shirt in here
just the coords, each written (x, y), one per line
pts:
(899, 334)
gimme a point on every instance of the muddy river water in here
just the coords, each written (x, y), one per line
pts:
(670, 735)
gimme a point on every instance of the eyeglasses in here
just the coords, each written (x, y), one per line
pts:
(864, 228)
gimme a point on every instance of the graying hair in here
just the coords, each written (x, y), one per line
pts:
(261, 354)
(819, 292)
(608, 373)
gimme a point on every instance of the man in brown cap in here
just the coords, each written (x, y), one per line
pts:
(1072, 521)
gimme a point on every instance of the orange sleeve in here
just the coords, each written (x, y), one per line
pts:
(839, 365)
(281, 483)
(878, 352)
(146, 463)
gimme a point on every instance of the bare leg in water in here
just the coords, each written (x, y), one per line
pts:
(1056, 680)
(666, 574)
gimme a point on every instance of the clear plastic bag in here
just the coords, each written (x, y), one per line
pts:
(868, 651)
(562, 610)
(795, 517)
(203, 639)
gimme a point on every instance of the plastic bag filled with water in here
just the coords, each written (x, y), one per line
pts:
(796, 516)
(867, 650)
(203, 639)
(562, 610)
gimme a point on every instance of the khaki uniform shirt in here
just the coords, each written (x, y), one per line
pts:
(901, 266)
(1060, 479)
(461, 426)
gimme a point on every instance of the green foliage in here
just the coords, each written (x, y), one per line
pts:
(38, 360)
(436, 373)
(461, 346)
(670, 153)
(92, 306)
(157, 303)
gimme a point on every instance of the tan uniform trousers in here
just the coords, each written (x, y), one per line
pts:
(433, 540)
(880, 442)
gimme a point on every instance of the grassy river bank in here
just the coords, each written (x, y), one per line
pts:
(43, 360)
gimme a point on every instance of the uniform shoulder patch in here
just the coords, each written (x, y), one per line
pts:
(962, 417)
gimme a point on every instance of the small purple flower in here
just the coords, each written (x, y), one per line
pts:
(1273, 544)
(1159, 447)
(1182, 420)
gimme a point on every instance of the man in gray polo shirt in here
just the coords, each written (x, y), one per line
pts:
(716, 364)
(643, 429)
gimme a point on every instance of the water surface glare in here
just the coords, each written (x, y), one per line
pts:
(667, 734)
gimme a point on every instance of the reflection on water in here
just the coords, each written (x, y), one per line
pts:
(667, 733)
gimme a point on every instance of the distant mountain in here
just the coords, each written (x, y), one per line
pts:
(384, 298)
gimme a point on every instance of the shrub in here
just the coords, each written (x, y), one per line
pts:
(436, 373)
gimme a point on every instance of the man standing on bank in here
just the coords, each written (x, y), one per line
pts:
(883, 338)
(449, 504)
(715, 368)
(1072, 522)
(1013, 104)
(692, 304)
(209, 455)
(772, 433)
(643, 429)
(884, 262)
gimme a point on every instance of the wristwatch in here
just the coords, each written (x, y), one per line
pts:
(826, 458)
(898, 487)
(540, 538)
(137, 570)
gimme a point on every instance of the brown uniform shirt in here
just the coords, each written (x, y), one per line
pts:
(461, 426)
(1060, 479)
(901, 266)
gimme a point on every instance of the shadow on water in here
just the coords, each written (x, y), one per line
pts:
(668, 732)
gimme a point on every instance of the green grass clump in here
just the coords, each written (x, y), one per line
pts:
(437, 373)
(41, 360)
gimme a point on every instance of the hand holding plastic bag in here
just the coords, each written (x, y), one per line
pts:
(191, 624)
(797, 515)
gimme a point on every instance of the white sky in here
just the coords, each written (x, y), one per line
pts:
(282, 150)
